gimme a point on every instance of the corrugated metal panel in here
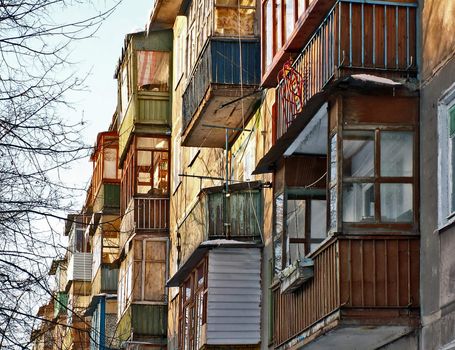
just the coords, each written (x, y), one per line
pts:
(227, 62)
(234, 296)
(154, 109)
(109, 279)
(149, 319)
(80, 267)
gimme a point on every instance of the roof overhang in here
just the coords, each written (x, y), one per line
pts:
(364, 83)
(200, 252)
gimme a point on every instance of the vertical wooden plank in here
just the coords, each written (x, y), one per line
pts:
(368, 35)
(357, 35)
(379, 36)
(368, 272)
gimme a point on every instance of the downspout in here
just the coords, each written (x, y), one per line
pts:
(103, 324)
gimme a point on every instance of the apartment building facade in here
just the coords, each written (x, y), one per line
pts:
(273, 179)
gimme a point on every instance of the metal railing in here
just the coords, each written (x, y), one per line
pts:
(368, 36)
(151, 213)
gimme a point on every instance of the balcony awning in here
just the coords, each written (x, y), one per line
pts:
(361, 82)
(94, 302)
(199, 253)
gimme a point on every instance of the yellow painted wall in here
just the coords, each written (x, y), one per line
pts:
(438, 40)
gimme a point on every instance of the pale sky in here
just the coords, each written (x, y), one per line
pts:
(99, 56)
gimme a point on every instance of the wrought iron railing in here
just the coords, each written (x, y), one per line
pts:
(368, 36)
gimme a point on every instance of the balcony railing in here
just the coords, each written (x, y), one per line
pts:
(238, 216)
(219, 63)
(145, 213)
(370, 36)
(365, 276)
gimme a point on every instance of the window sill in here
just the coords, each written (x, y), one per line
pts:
(448, 224)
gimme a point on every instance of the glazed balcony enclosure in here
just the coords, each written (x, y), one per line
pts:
(371, 37)
(353, 214)
(145, 187)
(222, 70)
(143, 74)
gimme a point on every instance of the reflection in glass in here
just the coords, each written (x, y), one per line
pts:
(396, 153)
(333, 159)
(358, 202)
(358, 154)
(396, 202)
(295, 218)
(318, 219)
(333, 208)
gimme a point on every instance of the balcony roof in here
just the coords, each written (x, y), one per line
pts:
(163, 14)
(200, 252)
(361, 82)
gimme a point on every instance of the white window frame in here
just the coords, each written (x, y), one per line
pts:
(446, 215)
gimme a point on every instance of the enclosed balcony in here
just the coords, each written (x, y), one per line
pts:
(142, 296)
(144, 76)
(364, 291)
(220, 296)
(145, 187)
(373, 37)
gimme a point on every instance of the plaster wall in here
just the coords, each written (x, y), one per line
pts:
(437, 259)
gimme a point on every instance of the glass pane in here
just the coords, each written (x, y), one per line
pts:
(277, 255)
(452, 144)
(110, 163)
(301, 6)
(358, 154)
(296, 251)
(152, 143)
(396, 202)
(228, 21)
(295, 218)
(160, 171)
(333, 159)
(358, 202)
(318, 219)
(153, 70)
(333, 208)
(268, 33)
(144, 158)
(289, 18)
(396, 153)
(452, 121)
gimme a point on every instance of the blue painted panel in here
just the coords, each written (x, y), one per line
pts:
(227, 63)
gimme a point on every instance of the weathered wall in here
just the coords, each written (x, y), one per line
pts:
(437, 262)
(437, 20)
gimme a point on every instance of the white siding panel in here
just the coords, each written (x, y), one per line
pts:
(80, 267)
(234, 296)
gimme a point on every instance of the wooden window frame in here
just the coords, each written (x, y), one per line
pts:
(377, 179)
(191, 305)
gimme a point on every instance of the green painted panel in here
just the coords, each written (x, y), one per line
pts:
(112, 195)
(149, 319)
(109, 280)
(160, 40)
(60, 304)
(154, 108)
(123, 331)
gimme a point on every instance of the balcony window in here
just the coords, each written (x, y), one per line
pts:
(193, 308)
(235, 17)
(378, 176)
(446, 157)
(153, 71)
(300, 222)
(146, 169)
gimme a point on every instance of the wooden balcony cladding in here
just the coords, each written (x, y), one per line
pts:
(379, 273)
(364, 276)
(105, 280)
(295, 312)
(373, 37)
(146, 110)
(220, 90)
